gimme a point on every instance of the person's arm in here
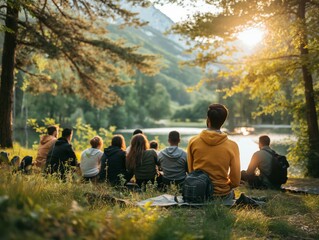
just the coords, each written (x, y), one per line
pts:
(99, 161)
(74, 161)
(253, 164)
(190, 159)
(186, 165)
(234, 173)
(102, 173)
(155, 157)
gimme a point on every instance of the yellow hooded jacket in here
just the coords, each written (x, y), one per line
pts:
(218, 156)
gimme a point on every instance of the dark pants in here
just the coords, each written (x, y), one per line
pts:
(253, 180)
(143, 182)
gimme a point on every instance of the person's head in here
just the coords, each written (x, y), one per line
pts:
(264, 140)
(139, 144)
(67, 133)
(53, 130)
(96, 142)
(174, 138)
(118, 141)
(137, 131)
(216, 116)
(154, 144)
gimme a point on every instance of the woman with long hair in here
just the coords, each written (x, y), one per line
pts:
(113, 163)
(141, 160)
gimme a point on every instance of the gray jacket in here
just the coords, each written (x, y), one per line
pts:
(173, 161)
(262, 160)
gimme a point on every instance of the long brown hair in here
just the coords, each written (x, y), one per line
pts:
(119, 141)
(139, 144)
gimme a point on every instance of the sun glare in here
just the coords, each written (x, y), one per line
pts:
(251, 36)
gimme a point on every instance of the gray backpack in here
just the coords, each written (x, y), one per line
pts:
(197, 187)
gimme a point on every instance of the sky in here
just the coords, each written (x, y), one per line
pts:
(178, 13)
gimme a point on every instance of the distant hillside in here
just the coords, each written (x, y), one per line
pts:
(152, 39)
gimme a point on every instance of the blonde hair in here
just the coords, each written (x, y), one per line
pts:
(96, 142)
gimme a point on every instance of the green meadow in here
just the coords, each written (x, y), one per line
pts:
(41, 207)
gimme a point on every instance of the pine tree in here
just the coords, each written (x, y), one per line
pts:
(63, 45)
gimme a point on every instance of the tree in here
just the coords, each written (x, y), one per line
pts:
(67, 39)
(289, 55)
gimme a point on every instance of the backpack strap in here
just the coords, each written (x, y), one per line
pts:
(272, 152)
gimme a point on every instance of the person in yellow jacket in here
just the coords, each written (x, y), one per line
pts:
(212, 152)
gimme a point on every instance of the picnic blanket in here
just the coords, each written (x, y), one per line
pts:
(302, 185)
(167, 200)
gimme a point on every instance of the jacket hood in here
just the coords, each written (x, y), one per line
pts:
(213, 138)
(46, 138)
(61, 141)
(111, 150)
(92, 152)
(173, 152)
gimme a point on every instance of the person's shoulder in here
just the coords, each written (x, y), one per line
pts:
(150, 151)
(194, 138)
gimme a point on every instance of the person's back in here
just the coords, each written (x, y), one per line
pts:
(260, 166)
(46, 144)
(114, 160)
(61, 154)
(212, 152)
(142, 161)
(91, 159)
(173, 160)
(146, 169)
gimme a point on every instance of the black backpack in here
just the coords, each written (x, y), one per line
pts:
(26, 165)
(197, 187)
(279, 169)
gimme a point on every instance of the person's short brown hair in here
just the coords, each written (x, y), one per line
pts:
(52, 129)
(217, 114)
(96, 142)
(118, 141)
(264, 140)
(67, 132)
(154, 144)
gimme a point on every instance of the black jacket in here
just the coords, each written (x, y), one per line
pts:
(114, 158)
(61, 155)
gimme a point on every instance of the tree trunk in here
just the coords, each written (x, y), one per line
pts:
(7, 77)
(311, 114)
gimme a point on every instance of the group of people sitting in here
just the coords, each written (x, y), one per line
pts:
(116, 164)
(210, 151)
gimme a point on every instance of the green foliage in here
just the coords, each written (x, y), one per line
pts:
(42, 130)
(38, 207)
(192, 113)
(280, 74)
(84, 133)
(283, 228)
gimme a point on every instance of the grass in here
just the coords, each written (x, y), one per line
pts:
(39, 207)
